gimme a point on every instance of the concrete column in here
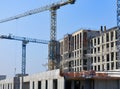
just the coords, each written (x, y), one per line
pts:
(5, 86)
(36, 84)
(12, 85)
(20, 83)
(0, 86)
(43, 84)
(64, 83)
(50, 84)
(30, 84)
(61, 84)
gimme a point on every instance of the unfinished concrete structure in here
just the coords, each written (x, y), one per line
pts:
(44, 80)
(73, 50)
(88, 61)
(104, 51)
(89, 49)
(54, 80)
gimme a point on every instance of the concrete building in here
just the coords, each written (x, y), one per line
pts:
(44, 80)
(73, 49)
(104, 51)
(53, 80)
(89, 60)
(90, 49)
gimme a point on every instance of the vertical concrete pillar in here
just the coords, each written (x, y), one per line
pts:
(5, 86)
(31, 84)
(12, 85)
(43, 84)
(61, 83)
(0, 86)
(50, 84)
(20, 83)
(64, 83)
(36, 84)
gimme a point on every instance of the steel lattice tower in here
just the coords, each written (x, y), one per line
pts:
(118, 32)
(118, 13)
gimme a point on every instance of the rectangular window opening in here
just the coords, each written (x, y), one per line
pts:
(39, 84)
(55, 84)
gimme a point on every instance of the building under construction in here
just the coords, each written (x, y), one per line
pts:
(90, 50)
(85, 59)
(88, 60)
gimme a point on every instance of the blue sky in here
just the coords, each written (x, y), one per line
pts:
(83, 14)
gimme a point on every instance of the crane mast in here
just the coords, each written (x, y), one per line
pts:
(25, 41)
(118, 32)
(23, 66)
(118, 14)
(53, 47)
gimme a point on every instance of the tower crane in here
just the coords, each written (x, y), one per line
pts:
(24, 42)
(118, 31)
(53, 47)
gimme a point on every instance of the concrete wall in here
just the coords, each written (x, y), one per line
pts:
(52, 80)
(107, 84)
(6, 84)
(44, 79)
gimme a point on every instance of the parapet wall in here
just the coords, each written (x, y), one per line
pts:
(43, 80)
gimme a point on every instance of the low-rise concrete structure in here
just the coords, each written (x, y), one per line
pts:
(53, 80)
(44, 80)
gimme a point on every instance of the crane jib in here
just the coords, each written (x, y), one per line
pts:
(56, 5)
